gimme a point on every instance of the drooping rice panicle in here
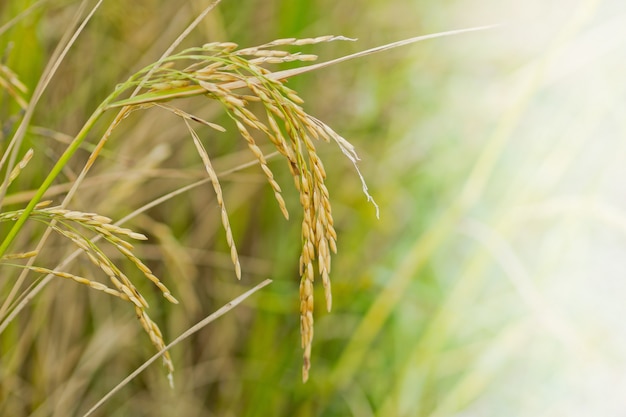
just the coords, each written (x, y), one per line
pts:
(113, 233)
(67, 223)
(215, 70)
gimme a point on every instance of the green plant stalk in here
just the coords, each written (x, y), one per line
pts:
(54, 172)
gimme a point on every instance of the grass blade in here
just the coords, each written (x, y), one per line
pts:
(194, 329)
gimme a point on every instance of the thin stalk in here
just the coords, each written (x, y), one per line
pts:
(192, 330)
(194, 90)
(54, 172)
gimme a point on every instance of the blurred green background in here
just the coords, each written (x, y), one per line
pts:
(492, 284)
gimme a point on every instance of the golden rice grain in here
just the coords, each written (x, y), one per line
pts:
(21, 255)
(156, 338)
(220, 200)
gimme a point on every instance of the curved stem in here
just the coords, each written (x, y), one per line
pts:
(54, 172)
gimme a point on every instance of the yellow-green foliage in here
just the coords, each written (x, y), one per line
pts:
(491, 285)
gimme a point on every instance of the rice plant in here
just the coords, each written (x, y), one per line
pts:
(268, 116)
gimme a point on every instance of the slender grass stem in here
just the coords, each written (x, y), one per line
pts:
(54, 172)
(195, 90)
(57, 58)
(192, 330)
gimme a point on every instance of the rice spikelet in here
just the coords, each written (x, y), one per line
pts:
(220, 199)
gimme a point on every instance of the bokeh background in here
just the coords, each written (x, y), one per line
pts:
(493, 283)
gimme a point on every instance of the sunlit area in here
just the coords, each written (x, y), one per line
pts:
(155, 171)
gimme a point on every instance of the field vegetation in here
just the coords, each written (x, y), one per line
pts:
(158, 167)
